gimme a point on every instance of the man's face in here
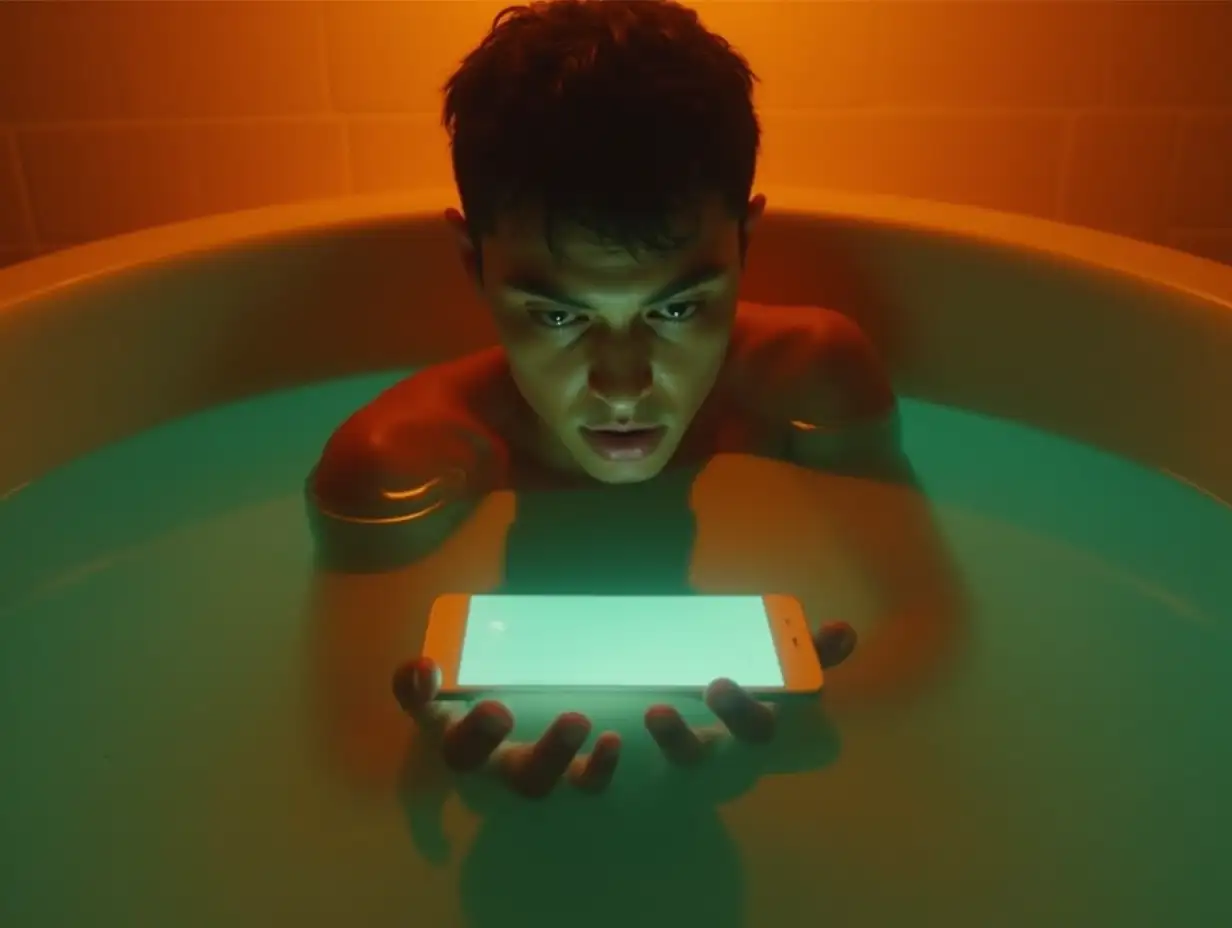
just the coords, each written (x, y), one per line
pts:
(614, 352)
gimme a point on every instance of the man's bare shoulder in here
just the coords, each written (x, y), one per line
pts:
(463, 388)
(809, 364)
(429, 441)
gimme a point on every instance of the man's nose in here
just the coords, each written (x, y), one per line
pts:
(621, 374)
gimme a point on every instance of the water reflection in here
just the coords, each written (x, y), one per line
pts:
(607, 540)
(655, 848)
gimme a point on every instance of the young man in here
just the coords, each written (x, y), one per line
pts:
(604, 154)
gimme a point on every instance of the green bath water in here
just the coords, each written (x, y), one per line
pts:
(161, 768)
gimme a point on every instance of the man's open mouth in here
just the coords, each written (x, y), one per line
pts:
(624, 442)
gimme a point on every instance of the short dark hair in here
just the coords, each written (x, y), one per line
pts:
(612, 115)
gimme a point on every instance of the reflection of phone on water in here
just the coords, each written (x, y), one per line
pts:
(643, 644)
(614, 863)
(609, 540)
(653, 851)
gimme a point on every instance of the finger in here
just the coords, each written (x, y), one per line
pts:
(534, 770)
(415, 685)
(593, 774)
(745, 717)
(679, 743)
(468, 743)
(834, 643)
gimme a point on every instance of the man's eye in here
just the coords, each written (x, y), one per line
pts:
(680, 311)
(555, 318)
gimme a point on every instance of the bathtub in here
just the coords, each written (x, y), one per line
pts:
(1049, 810)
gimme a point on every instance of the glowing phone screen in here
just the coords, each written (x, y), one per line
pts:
(638, 641)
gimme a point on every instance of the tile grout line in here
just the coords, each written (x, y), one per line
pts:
(1068, 144)
(326, 79)
(995, 111)
(1202, 230)
(1167, 195)
(178, 122)
(345, 118)
(29, 226)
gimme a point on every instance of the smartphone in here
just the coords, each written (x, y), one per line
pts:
(654, 644)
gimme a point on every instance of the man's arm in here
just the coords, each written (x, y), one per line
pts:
(384, 502)
(389, 513)
(844, 425)
(384, 496)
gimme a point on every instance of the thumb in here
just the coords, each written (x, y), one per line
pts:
(834, 643)
(416, 684)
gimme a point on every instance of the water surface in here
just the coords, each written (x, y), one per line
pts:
(162, 764)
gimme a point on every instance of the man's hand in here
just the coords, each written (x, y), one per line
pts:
(477, 741)
(740, 715)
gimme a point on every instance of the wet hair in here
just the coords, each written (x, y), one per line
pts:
(616, 116)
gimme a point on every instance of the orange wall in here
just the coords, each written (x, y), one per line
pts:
(1115, 114)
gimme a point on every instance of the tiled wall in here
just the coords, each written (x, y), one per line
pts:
(1109, 113)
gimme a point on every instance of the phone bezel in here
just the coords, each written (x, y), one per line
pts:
(793, 644)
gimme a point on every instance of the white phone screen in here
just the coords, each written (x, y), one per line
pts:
(636, 641)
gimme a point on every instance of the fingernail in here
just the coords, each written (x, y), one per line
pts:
(574, 734)
(423, 677)
(658, 722)
(493, 725)
(727, 695)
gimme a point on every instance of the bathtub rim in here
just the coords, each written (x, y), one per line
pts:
(1178, 293)
(1147, 264)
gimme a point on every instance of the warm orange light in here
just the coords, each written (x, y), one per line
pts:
(116, 116)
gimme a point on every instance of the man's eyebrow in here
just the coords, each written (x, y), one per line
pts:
(544, 289)
(703, 274)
